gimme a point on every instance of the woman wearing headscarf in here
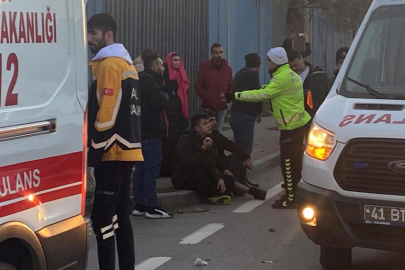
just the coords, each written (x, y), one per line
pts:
(176, 85)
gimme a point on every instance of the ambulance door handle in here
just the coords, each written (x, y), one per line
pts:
(27, 130)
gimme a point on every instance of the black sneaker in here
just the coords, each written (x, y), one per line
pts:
(252, 184)
(139, 210)
(282, 198)
(258, 194)
(157, 213)
(283, 205)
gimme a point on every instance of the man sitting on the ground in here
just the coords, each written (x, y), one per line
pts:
(237, 162)
(195, 167)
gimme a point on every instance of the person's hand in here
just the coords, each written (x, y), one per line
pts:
(227, 97)
(305, 36)
(258, 118)
(221, 186)
(91, 179)
(207, 143)
(228, 172)
(248, 164)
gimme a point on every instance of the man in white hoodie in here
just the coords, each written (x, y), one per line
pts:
(115, 141)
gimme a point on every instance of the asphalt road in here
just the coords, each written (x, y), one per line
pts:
(258, 238)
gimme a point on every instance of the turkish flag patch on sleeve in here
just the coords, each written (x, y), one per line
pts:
(108, 91)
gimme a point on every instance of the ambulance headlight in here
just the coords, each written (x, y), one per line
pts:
(320, 142)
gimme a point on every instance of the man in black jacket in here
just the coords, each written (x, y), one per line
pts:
(305, 70)
(153, 101)
(195, 166)
(238, 161)
(340, 57)
(244, 114)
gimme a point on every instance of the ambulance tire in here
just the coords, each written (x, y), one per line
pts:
(335, 258)
(6, 266)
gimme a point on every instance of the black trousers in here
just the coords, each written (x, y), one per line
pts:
(110, 215)
(235, 164)
(291, 152)
(205, 186)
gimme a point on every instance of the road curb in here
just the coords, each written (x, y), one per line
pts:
(182, 198)
(178, 198)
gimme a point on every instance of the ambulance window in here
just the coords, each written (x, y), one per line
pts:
(379, 59)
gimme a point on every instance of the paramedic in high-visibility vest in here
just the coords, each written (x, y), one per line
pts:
(285, 92)
(115, 141)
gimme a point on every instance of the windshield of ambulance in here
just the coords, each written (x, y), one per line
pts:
(379, 60)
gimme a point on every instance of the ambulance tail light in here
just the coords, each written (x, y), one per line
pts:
(320, 143)
(84, 164)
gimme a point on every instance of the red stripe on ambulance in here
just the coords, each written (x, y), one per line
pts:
(45, 177)
(26, 204)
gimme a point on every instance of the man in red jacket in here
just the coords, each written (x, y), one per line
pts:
(214, 77)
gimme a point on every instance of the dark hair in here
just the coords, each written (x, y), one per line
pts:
(149, 61)
(253, 60)
(148, 52)
(211, 114)
(215, 45)
(288, 45)
(294, 55)
(176, 54)
(341, 54)
(104, 22)
(196, 118)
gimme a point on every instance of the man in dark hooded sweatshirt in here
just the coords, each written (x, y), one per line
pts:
(154, 101)
(305, 70)
(196, 166)
(340, 57)
(244, 114)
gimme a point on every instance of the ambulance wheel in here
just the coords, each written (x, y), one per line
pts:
(335, 258)
(6, 266)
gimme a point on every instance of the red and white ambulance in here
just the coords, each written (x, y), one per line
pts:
(43, 99)
(352, 192)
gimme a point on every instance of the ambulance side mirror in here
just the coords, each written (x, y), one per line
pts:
(319, 88)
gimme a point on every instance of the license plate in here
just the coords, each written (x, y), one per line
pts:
(383, 215)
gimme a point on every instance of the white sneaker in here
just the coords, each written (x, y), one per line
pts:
(139, 210)
(157, 213)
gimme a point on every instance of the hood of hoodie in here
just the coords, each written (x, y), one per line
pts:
(138, 60)
(113, 50)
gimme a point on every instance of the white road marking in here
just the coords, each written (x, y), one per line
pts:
(265, 158)
(201, 234)
(152, 263)
(250, 205)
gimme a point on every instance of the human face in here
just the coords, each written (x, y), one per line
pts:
(340, 63)
(204, 127)
(217, 54)
(213, 123)
(270, 65)
(298, 65)
(158, 66)
(176, 62)
(96, 40)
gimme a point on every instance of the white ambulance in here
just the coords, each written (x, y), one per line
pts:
(352, 192)
(43, 98)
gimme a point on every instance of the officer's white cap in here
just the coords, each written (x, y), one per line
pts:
(278, 56)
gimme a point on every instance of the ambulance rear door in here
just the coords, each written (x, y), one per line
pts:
(41, 118)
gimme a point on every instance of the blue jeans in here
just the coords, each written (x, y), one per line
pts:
(243, 126)
(220, 117)
(146, 173)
